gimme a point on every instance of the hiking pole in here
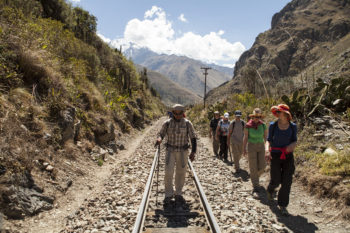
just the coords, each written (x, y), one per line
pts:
(230, 154)
(158, 155)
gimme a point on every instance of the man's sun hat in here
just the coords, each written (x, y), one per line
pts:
(178, 107)
(226, 115)
(281, 108)
(238, 113)
(216, 112)
(256, 113)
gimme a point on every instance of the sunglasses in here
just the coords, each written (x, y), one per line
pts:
(178, 113)
(278, 111)
(256, 117)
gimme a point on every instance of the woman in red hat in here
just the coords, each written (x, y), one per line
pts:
(281, 142)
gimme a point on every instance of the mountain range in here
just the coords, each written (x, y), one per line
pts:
(182, 70)
(169, 91)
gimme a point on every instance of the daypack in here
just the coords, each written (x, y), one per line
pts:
(221, 131)
(233, 125)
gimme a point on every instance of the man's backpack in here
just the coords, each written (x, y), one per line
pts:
(233, 125)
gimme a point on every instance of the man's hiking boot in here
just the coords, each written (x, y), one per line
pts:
(284, 211)
(255, 193)
(167, 201)
(179, 199)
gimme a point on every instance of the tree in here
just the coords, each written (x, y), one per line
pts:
(85, 25)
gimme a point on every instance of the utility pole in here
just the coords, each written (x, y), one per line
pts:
(205, 81)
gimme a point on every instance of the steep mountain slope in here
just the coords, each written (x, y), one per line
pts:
(184, 71)
(64, 95)
(169, 91)
(307, 40)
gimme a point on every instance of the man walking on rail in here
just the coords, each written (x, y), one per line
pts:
(178, 131)
(212, 132)
(235, 138)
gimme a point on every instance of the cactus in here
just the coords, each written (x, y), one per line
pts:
(334, 95)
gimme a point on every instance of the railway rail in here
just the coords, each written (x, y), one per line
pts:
(193, 214)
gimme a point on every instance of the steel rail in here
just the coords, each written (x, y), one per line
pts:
(208, 212)
(141, 214)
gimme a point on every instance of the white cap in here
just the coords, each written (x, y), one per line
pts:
(226, 115)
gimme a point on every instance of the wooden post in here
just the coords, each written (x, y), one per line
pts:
(205, 81)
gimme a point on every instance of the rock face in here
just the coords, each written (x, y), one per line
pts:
(304, 34)
(67, 124)
(26, 199)
(295, 30)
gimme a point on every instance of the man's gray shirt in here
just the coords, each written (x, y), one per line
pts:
(237, 132)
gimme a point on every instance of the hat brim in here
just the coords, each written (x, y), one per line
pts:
(274, 110)
(258, 115)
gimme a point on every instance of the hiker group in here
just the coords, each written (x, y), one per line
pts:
(252, 139)
(261, 145)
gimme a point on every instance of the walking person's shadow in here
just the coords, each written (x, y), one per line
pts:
(295, 223)
(177, 214)
(243, 174)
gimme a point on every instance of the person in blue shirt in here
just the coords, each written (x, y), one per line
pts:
(281, 142)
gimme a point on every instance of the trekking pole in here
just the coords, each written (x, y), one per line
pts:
(158, 155)
(230, 154)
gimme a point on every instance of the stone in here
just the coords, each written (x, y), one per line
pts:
(67, 123)
(319, 121)
(318, 135)
(47, 136)
(330, 152)
(339, 146)
(49, 168)
(24, 128)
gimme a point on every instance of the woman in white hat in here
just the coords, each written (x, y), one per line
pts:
(221, 134)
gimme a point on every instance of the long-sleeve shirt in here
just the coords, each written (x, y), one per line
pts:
(282, 138)
(178, 133)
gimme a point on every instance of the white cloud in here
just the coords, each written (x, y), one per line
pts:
(105, 39)
(182, 18)
(75, 1)
(156, 33)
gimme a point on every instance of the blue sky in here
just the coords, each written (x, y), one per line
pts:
(212, 31)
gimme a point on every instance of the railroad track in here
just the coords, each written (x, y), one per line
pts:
(192, 215)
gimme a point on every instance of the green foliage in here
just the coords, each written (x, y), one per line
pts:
(58, 10)
(334, 96)
(331, 165)
(85, 26)
(100, 162)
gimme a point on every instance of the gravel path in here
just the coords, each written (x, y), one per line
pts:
(114, 207)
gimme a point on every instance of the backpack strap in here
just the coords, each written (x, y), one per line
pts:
(233, 125)
(274, 125)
